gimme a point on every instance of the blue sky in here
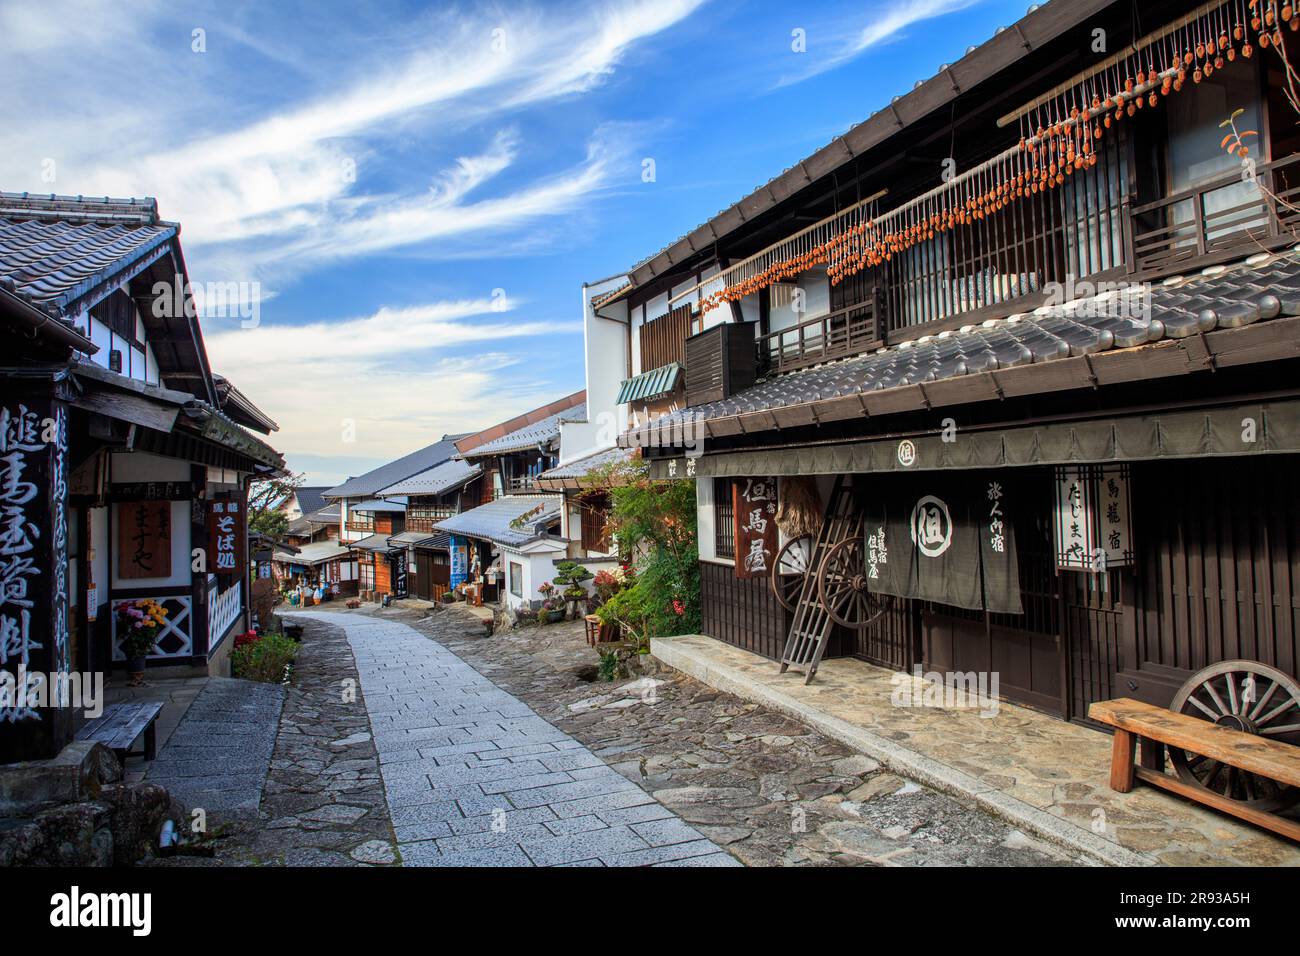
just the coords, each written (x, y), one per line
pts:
(413, 194)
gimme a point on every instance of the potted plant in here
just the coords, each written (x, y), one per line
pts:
(553, 610)
(139, 622)
(570, 575)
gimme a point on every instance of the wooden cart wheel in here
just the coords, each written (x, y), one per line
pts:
(790, 569)
(842, 586)
(1255, 699)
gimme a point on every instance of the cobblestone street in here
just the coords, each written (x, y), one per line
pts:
(753, 781)
(416, 739)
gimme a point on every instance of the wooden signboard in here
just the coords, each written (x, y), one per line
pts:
(227, 536)
(754, 502)
(144, 539)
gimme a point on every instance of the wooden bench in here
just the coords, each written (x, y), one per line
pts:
(1157, 728)
(121, 725)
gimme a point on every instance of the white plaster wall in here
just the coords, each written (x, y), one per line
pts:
(537, 568)
(605, 361)
(102, 548)
(817, 301)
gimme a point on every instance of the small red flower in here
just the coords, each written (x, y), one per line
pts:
(679, 606)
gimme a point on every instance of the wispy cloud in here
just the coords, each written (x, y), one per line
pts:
(388, 381)
(302, 175)
(886, 23)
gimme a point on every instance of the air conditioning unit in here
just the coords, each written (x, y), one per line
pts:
(720, 362)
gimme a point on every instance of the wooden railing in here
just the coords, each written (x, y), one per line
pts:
(1180, 229)
(1010, 261)
(662, 339)
(223, 610)
(837, 334)
(425, 519)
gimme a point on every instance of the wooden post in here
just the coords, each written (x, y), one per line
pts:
(1121, 761)
(34, 605)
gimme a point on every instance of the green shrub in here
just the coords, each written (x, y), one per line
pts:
(264, 659)
(654, 522)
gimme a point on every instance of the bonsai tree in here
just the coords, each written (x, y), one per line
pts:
(569, 575)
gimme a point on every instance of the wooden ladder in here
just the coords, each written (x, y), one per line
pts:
(812, 625)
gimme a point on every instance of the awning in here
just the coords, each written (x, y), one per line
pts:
(377, 543)
(417, 539)
(310, 555)
(378, 505)
(576, 475)
(649, 385)
(1250, 429)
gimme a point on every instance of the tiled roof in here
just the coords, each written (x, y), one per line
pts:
(53, 250)
(310, 498)
(317, 552)
(417, 461)
(1260, 288)
(329, 514)
(373, 542)
(607, 297)
(378, 505)
(439, 478)
(570, 475)
(499, 520)
(419, 539)
(530, 436)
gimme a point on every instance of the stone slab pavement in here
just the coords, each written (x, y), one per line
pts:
(217, 757)
(473, 777)
(1047, 776)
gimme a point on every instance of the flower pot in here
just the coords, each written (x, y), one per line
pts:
(135, 668)
(554, 617)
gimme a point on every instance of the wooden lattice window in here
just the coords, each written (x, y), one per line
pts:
(724, 519)
(595, 522)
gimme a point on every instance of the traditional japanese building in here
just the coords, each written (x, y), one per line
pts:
(1004, 377)
(124, 460)
(373, 523)
(511, 542)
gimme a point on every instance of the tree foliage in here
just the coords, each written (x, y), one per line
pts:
(654, 522)
(264, 498)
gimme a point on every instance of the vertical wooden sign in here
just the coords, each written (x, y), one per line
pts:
(754, 503)
(144, 539)
(226, 536)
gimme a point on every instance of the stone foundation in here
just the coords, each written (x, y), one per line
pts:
(73, 810)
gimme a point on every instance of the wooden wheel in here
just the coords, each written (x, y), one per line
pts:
(790, 569)
(1247, 696)
(842, 586)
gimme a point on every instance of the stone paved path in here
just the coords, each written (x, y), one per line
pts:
(216, 758)
(473, 777)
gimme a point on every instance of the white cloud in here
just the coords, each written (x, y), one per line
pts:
(888, 22)
(300, 174)
(388, 374)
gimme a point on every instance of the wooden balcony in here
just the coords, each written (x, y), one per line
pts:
(837, 334)
(1217, 220)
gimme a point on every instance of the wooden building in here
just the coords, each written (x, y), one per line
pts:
(369, 516)
(125, 462)
(1040, 316)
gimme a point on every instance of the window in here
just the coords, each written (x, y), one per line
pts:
(359, 521)
(595, 522)
(516, 579)
(366, 575)
(724, 519)
(422, 517)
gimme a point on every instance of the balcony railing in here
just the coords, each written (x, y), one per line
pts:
(1221, 216)
(837, 334)
(425, 519)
